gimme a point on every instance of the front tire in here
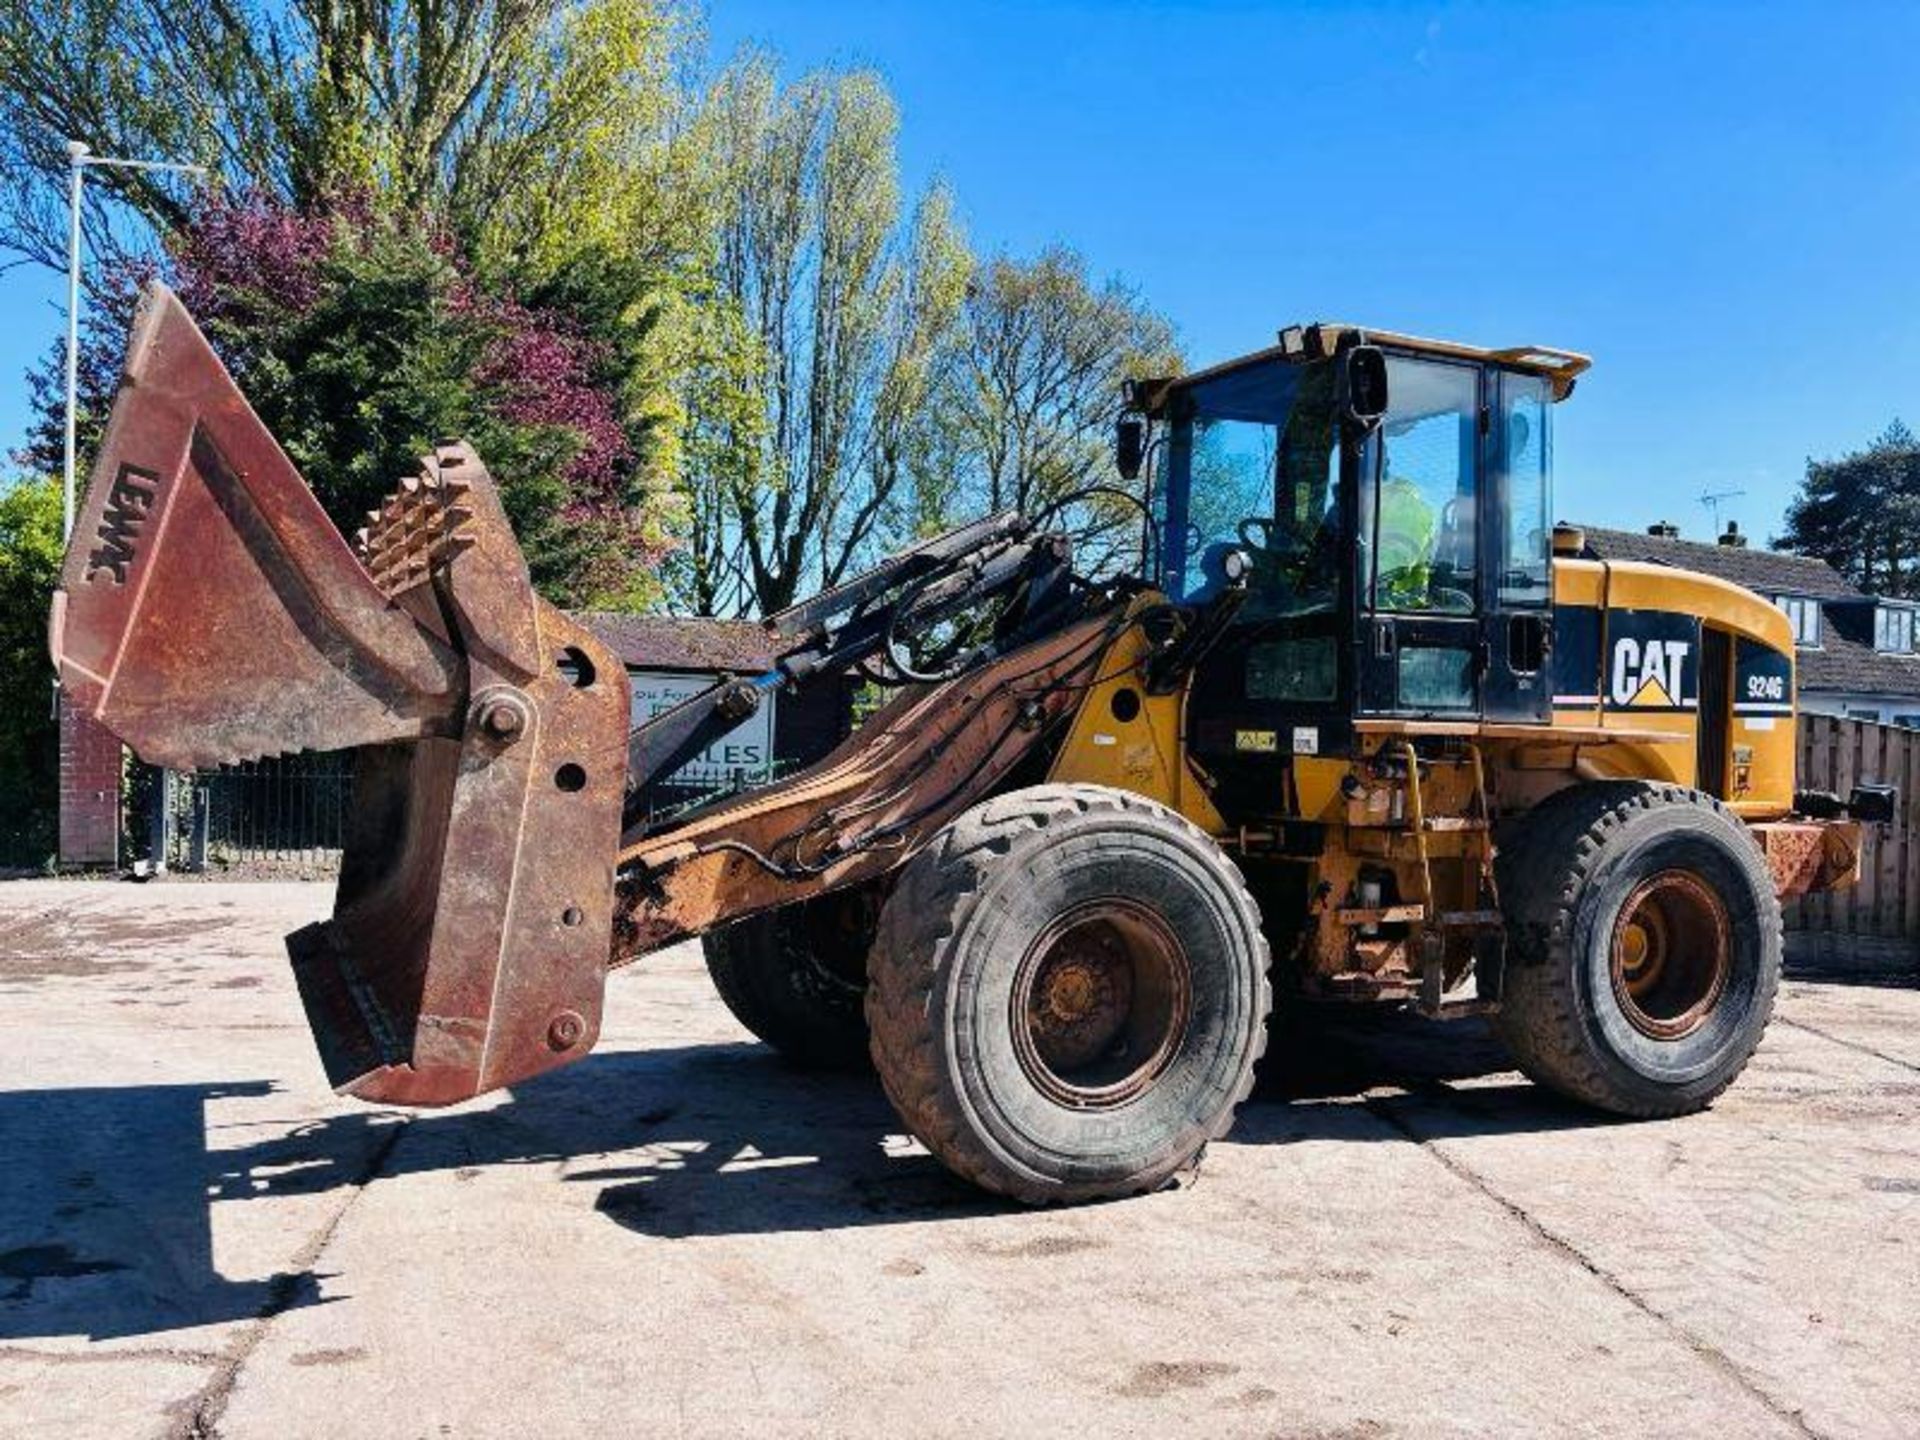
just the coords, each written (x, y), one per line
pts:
(1644, 944)
(1068, 992)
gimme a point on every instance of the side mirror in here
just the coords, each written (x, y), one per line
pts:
(1366, 385)
(1130, 447)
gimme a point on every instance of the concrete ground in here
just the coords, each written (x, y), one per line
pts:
(678, 1236)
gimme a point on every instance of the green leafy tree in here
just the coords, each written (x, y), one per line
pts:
(1861, 514)
(511, 150)
(493, 114)
(30, 552)
(361, 340)
(833, 306)
(431, 206)
(1029, 398)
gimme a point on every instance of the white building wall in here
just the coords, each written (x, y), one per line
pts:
(1886, 709)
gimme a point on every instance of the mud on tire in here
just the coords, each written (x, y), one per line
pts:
(1644, 945)
(1068, 992)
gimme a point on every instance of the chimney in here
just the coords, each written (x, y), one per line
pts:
(1664, 530)
(1733, 537)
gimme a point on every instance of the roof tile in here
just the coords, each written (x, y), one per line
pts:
(673, 642)
(1771, 572)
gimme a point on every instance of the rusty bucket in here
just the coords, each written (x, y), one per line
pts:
(210, 613)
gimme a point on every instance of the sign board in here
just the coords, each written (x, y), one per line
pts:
(743, 756)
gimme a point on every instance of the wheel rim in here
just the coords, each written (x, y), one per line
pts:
(1100, 1003)
(1671, 956)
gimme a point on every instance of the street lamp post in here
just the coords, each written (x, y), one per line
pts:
(79, 156)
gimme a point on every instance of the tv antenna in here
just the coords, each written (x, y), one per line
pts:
(1712, 498)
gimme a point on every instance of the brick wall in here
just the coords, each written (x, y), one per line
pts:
(89, 791)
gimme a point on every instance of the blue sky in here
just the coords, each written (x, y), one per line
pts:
(1720, 202)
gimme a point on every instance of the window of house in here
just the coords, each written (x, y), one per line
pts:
(1804, 614)
(1893, 629)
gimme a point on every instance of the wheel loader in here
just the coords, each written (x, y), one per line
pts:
(1364, 727)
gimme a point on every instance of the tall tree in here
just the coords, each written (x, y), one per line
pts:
(1030, 397)
(1861, 514)
(30, 551)
(492, 113)
(838, 305)
(430, 200)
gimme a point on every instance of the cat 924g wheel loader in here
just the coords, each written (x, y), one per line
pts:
(1366, 727)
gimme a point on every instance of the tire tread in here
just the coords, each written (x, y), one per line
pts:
(917, 927)
(1554, 855)
(748, 962)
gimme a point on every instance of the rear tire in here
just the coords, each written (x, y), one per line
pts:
(1643, 947)
(795, 978)
(1068, 994)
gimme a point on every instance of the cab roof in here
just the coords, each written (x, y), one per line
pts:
(1319, 341)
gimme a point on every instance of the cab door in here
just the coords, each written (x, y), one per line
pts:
(1516, 532)
(1420, 621)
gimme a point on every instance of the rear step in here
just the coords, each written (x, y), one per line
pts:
(209, 613)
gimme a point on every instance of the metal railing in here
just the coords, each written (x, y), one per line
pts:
(283, 815)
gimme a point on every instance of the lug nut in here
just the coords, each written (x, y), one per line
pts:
(565, 1031)
(504, 717)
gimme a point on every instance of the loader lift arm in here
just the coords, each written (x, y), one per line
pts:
(952, 574)
(209, 613)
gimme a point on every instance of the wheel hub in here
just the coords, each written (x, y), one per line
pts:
(1671, 954)
(1100, 1002)
(1081, 996)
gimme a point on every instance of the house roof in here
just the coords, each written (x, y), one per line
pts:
(673, 642)
(1843, 664)
(1846, 659)
(1770, 572)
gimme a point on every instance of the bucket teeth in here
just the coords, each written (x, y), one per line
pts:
(424, 522)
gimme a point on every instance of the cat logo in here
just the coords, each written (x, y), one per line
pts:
(1648, 672)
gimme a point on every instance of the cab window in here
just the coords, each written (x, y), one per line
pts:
(1526, 457)
(1253, 465)
(1417, 515)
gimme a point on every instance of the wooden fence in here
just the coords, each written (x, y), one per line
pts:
(1879, 919)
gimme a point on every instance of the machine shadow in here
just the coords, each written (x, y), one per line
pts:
(105, 1225)
(1404, 1070)
(1871, 961)
(107, 1205)
(725, 1139)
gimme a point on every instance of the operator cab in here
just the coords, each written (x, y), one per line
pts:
(1392, 552)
